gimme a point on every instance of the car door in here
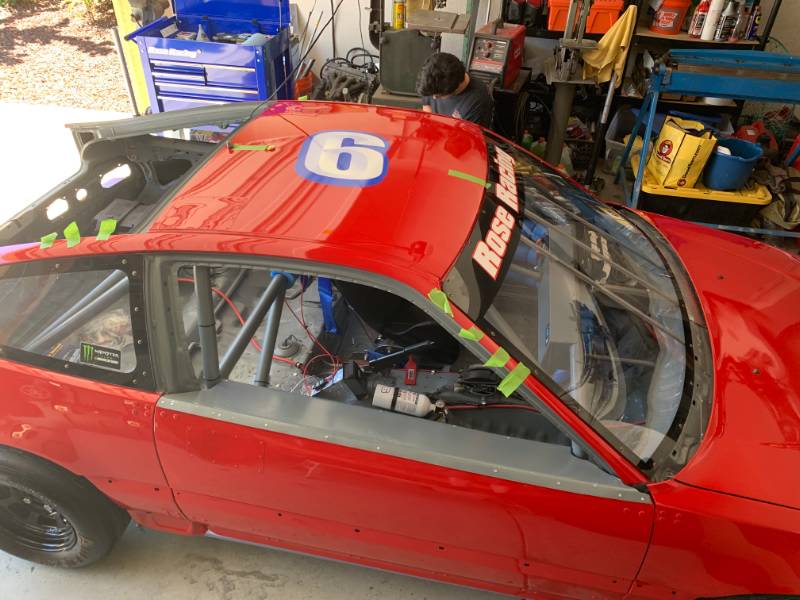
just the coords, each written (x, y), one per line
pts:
(76, 373)
(277, 467)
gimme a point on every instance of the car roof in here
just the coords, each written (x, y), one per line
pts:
(418, 216)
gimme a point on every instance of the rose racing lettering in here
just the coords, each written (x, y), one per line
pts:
(490, 251)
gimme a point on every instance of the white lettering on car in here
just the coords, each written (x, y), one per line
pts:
(489, 252)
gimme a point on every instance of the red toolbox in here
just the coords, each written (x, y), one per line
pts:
(602, 15)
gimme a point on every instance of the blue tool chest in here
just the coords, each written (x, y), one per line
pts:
(182, 72)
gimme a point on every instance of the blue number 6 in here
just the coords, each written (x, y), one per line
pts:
(344, 158)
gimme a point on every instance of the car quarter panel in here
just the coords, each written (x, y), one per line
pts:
(99, 431)
(249, 461)
(706, 544)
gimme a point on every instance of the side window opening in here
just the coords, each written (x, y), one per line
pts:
(358, 345)
(80, 317)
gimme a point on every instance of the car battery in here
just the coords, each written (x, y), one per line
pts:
(498, 52)
(207, 53)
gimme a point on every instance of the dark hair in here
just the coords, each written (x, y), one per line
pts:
(440, 75)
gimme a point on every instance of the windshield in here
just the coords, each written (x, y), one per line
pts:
(580, 294)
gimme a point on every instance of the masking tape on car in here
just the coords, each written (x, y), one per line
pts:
(473, 333)
(498, 359)
(72, 234)
(303, 98)
(439, 298)
(513, 380)
(467, 177)
(48, 240)
(107, 227)
(252, 148)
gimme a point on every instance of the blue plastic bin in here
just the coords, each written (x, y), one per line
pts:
(189, 73)
(725, 172)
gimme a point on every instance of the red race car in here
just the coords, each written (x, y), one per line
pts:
(395, 339)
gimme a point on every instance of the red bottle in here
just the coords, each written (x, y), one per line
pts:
(699, 19)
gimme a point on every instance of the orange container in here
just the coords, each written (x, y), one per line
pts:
(669, 18)
(602, 15)
(304, 85)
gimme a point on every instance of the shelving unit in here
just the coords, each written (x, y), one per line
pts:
(644, 31)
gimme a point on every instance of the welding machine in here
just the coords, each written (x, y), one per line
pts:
(498, 51)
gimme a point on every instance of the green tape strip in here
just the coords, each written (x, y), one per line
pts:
(107, 227)
(498, 359)
(48, 240)
(473, 333)
(467, 177)
(513, 380)
(259, 148)
(439, 298)
(303, 98)
(72, 234)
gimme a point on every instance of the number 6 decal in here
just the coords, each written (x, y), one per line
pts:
(345, 158)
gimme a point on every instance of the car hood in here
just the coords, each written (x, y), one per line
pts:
(750, 295)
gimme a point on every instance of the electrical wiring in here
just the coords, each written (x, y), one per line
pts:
(335, 363)
(241, 320)
(481, 406)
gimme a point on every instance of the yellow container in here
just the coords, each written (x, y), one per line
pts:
(399, 14)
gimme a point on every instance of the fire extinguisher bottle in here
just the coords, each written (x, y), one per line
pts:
(699, 18)
(712, 20)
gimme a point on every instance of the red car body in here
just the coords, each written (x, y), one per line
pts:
(726, 524)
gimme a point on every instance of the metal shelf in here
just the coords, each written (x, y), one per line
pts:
(643, 31)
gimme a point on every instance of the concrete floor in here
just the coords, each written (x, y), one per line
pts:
(155, 566)
(146, 564)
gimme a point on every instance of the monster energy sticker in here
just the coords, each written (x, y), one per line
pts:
(92, 354)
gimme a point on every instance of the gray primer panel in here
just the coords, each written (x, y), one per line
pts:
(524, 461)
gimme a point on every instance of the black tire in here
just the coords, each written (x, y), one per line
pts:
(51, 517)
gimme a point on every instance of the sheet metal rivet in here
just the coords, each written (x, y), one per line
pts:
(135, 309)
(133, 273)
(494, 470)
(756, 372)
(124, 261)
(377, 447)
(133, 381)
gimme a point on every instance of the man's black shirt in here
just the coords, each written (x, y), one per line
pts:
(473, 104)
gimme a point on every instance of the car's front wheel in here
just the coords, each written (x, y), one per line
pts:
(49, 516)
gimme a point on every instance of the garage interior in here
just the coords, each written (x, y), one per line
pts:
(684, 108)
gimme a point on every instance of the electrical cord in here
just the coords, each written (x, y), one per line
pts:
(333, 30)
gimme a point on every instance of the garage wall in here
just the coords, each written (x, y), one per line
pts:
(785, 28)
(348, 32)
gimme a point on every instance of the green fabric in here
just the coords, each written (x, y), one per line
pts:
(107, 227)
(72, 234)
(498, 359)
(473, 333)
(467, 177)
(513, 380)
(439, 298)
(259, 148)
(48, 240)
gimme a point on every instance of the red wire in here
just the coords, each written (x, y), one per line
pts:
(302, 321)
(241, 319)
